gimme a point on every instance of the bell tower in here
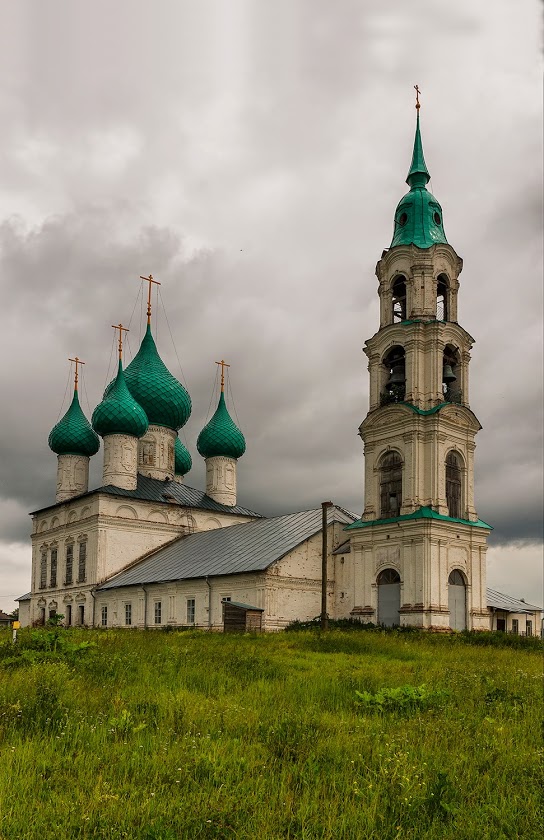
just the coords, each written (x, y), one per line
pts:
(419, 548)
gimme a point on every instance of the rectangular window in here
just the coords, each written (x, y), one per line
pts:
(515, 626)
(528, 628)
(128, 614)
(68, 620)
(69, 564)
(158, 612)
(82, 564)
(43, 568)
(81, 611)
(190, 610)
(53, 573)
(104, 617)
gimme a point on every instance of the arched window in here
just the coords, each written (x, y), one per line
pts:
(390, 485)
(442, 289)
(454, 485)
(388, 576)
(395, 372)
(398, 290)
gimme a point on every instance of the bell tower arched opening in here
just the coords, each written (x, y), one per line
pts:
(451, 371)
(389, 598)
(457, 600)
(398, 299)
(394, 376)
(442, 298)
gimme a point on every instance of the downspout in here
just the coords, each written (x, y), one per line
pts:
(145, 607)
(94, 602)
(209, 602)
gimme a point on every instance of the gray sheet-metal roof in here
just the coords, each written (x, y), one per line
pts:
(249, 547)
(155, 490)
(25, 597)
(500, 601)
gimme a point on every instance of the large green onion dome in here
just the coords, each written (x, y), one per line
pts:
(221, 436)
(418, 217)
(73, 435)
(163, 398)
(119, 413)
(183, 460)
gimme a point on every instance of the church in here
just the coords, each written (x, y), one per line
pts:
(147, 550)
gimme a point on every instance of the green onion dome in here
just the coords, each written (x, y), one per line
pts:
(119, 413)
(221, 436)
(183, 460)
(73, 435)
(163, 398)
(418, 217)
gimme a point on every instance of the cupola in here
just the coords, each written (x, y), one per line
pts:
(73, 434)
(418, 217)
(221, 443)
(182, 459)
(74, 441)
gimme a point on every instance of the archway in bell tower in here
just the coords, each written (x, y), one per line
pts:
(393, 376)
(398, 299)
(457, 600)
(442, 297)
(454, 485)
(451, 374)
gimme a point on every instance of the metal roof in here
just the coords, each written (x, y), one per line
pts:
(172, 492)
(25, 597)
(249, 547)
(499, 601)
(241, 606)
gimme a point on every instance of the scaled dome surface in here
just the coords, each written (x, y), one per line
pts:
(221, 436)
(119, 413)
(183, 460)
(164, 399)
(73, 434)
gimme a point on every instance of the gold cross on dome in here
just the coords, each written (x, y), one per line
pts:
(223, 366)
(417, 90)
(76, 377)
(121, 329)
(150, 281)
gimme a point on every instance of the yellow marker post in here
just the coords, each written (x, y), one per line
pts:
(15, 626)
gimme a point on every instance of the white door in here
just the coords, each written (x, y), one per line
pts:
(388, 604)
(457, 601)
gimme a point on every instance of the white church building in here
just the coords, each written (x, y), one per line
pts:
(146, 550)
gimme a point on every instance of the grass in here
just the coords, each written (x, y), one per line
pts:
(167, 736)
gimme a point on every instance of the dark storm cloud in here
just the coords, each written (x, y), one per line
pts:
(251, 156)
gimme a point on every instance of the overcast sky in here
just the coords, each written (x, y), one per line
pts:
(251, 155)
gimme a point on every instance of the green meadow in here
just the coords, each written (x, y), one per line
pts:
(347, 734)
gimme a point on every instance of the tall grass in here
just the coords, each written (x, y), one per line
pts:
(191, 735)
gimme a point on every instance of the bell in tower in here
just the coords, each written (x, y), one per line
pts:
(419, 530)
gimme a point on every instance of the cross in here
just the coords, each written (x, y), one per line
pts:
(417, 90)
(78, 362)
(150, 281)
(223, 366)
(121, 329)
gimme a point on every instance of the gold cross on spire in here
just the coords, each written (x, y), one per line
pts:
(223, 366)
(121, 329)
(76, 377)
(417, 90)
(150, 281)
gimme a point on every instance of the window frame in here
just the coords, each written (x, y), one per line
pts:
(43, 568)
(53, 567)
(454, 484)
(104, 615)
(128, 614)
(82, 562)
(390, 483)
(69, 564)
(190, 610)
(157, 612)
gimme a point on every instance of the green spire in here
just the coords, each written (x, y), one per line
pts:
(73, 434)
(164, 399)
(119, 413)
(183, 460)
(418, 217)
(418, 175)
(221, 436)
